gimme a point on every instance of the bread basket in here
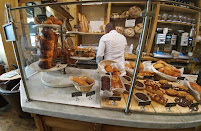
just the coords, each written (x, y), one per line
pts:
(83, 88)
(102, 64)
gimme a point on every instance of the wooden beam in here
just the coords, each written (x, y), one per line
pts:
(197, 28)
(108, 12)
(153, 29)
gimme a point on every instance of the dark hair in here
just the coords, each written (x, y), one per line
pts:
(110, 26)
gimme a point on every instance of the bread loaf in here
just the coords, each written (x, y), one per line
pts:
(134, 12)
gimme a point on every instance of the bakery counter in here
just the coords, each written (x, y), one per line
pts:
(49, 114)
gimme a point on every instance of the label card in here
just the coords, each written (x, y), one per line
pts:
(115, 98)
(144, 103)
(90, 93)
(75, 94)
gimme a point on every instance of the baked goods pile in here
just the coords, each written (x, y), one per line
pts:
(50, 20)
(163, 67)
(113, 70)
(83, 52)
(46, 44)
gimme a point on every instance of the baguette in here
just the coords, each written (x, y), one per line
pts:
(78, 80)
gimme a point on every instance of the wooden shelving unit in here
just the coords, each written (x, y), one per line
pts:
(174, 23)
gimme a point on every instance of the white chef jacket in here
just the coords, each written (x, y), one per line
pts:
(112, 46)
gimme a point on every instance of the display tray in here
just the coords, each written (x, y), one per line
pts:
(34, 66)
(81, 58)
(153, 108)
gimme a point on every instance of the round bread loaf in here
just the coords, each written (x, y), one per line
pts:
(138, 28)
(134, 12)
(119, 29)
(125, 14)
(129, 32)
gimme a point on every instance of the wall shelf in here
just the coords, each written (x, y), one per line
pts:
(174, 23)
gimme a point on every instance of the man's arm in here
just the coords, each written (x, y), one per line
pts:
(101, 50)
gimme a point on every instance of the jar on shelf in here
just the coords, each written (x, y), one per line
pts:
(184, 19)
(174, 18)
(189, 20)
(159, 17)
(180, 18)
(169, 17)
(164, 16)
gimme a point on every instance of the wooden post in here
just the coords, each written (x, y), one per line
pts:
(108, 12)
(38, 122)
(153, 29)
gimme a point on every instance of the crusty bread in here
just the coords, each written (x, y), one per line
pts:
(78, 80)
(158, 65)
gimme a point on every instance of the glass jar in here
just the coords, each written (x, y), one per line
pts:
(174, 18)
(164, 16)
(169, 17)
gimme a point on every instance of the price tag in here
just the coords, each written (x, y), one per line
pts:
(41, 18)
(115, 98)
(170, 104)
(194, 107)
(76, 94)
(144, 103)
(180, 78)
(148, 77)
(90, 93)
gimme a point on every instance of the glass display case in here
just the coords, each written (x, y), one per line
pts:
(56, 44)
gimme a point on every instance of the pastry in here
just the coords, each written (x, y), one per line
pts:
(182, 93)
(183, 102)
(155, 90)
(166, 86)
(160, 99)
(161, 70)
(87, 79)
(159, 65)
(183, 88)
(132, 64)
(168, 70)
(48, 22)
(190, 97)
(115, 69)
(134, 12)
(163, 81)
(161, 62)
(146, 73)
(141, 96)
(116, 73)
(116, 82)
(196, 87)
(171, 92)
(78, 80)
(105, 80)
(108, 68)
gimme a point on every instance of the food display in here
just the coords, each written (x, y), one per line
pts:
(134, 12)
(129, 32)
(113, 70)
(116, 82)
(158, 98)
(141, 97)
(105, 81)
(50, 20)
(163, 67)
(83, 52)
(139, 85)
(196, 87)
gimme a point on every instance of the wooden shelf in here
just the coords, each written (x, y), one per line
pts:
(128, 3)
(177, 9)
(174, 23)
(84, 33)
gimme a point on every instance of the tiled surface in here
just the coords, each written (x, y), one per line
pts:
(10, 121)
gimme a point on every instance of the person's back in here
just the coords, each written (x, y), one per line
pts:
(115, 46)
(112, 45)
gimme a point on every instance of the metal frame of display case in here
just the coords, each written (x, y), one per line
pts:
(147, 15)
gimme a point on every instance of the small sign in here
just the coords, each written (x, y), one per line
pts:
(144, 103)
(170, 104)
(76, 26)
(130, 23)
(76, 94)
(115, 98)
(41, 18)
(180, 78)
(90, 93)
(148, 77)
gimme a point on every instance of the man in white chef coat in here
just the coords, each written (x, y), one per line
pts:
(111, 45)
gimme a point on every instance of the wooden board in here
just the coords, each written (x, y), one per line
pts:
(105, 103)
(153, 108)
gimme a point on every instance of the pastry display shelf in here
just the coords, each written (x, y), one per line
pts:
(174, 23)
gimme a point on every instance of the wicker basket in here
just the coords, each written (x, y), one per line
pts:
(83, 88)
(103, 64)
